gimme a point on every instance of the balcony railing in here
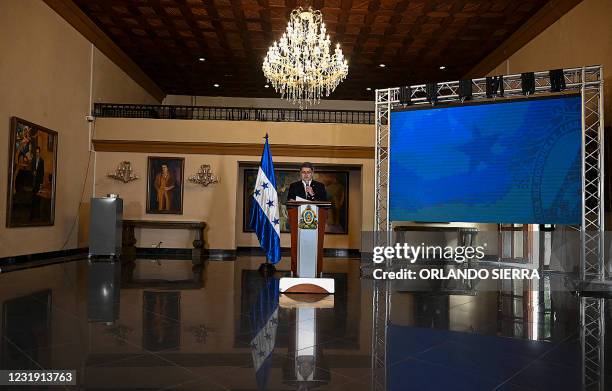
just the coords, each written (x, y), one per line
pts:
(111, 110)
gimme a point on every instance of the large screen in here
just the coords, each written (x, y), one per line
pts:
(516, 161)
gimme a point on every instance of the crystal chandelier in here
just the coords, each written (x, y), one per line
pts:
(300, 65)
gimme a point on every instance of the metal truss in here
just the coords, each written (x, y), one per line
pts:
(588, 81)
(384, 103)
(592, 256)
(382, 234)
(592, 325)
(381, 307)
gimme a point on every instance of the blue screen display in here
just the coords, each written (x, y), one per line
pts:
(509, 162)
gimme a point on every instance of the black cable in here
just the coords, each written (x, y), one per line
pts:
(76, 218)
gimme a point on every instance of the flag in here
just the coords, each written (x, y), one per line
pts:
(264, 211)
(264, 324)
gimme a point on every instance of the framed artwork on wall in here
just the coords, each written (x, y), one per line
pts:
(32, 171)
(336, 184)
(165, 185)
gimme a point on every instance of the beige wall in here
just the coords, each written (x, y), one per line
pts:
(220, 205)
(45, 78)
(294, 133)
(112, 85)
(581, 37)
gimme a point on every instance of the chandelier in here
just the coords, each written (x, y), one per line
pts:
(300, 66)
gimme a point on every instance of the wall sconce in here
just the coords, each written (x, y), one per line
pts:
(123, 173)
(200, 332)
(204, 177)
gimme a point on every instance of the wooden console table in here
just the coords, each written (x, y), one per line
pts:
(129, 239)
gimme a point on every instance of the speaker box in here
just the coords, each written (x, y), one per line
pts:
(105, 227)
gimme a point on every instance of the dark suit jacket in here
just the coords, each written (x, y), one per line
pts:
(38, 174)
(296, 189)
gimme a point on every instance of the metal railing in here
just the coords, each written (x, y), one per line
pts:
(112, 110)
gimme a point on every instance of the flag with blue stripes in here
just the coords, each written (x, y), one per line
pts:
(265, 210)
(264, 324)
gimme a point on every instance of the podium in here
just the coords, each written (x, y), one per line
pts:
(307, 220)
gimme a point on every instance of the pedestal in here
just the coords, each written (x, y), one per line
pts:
(307, 220)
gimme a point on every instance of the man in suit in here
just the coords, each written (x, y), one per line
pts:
(38, 179)
(307, 188)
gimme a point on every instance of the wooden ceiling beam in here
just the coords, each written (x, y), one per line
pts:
(84, 25)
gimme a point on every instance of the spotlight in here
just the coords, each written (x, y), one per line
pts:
(202, 59)
(382, 65)
(442, 67)
(216, 85)
(405, 94)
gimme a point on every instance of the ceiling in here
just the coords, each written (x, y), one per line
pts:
(413, 38)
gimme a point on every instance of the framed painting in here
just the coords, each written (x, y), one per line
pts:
(165, 185)
(161, 320)
(26, 322)
(32, 171)
(336, 184)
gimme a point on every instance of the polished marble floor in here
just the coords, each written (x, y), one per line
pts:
(165, 325)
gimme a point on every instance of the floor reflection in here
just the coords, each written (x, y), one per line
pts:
(165, 324)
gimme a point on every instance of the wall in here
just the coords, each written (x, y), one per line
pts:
(112, 85)
(221, 101)
(45, 78)
(219, 205)
(581, 37)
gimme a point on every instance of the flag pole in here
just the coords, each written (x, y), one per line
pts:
(267, 269)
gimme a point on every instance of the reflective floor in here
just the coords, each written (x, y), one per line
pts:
(163, 324)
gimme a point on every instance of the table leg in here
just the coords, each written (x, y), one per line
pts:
(198, 244)
(128, 252)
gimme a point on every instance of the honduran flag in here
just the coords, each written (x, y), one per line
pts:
(264, 212)
(264, 324)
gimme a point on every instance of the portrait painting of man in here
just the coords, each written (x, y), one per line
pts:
(32, 172)
(165, 185)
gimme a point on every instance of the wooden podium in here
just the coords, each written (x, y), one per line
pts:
(307, 220)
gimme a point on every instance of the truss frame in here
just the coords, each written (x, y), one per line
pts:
(588, 81)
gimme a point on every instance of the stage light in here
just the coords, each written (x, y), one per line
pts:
(528, 83)
(368, 89)
(442, 67)
(494, 84)
(557, 80)
(201, 59)
(216, 85)
(431, 89)
(267, 86)
(405, 94)
(465, 89)
(382, 65)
